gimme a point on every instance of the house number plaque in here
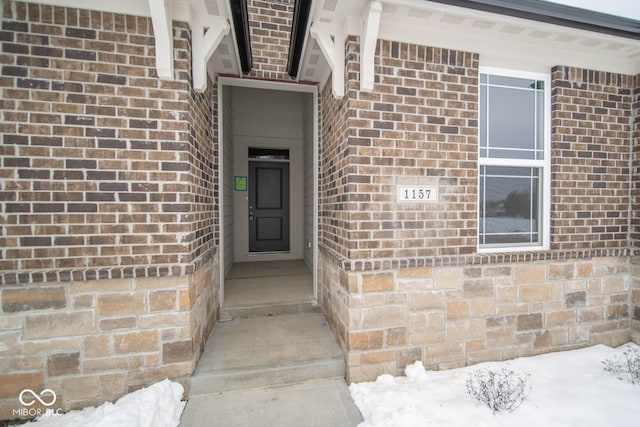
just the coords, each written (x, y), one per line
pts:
(416, 193)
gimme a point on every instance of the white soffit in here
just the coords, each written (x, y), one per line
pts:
(501, 41)
(224, 60)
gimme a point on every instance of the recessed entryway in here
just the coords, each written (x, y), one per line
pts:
(268, 288)
(268, 174)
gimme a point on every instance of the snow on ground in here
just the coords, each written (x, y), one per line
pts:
(569, 388)
(158, 405)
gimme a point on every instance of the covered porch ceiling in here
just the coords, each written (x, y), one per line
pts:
(528, 34)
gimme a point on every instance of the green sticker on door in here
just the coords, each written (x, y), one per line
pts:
(239, 183)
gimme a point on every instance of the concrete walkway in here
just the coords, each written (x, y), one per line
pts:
(261, 369)
(319, 403)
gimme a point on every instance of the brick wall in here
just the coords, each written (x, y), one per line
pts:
(591, 117)
(635, 212)
(108, 171)
(108, 250)
(270, 31)
(405, 282)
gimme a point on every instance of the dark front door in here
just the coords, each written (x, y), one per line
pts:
(268, 206)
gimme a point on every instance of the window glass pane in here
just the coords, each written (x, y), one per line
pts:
(509, 205)
(511, 118)
(511, 122)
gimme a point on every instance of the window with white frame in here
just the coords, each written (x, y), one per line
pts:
(514, 161)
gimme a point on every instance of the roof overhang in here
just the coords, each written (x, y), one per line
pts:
(503, 35)
(214, 45)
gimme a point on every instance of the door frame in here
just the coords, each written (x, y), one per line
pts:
(281, 86)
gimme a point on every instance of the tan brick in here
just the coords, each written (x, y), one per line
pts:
(436, 354)
(501, 336)
(118, 323)
(484, 356)
(527, 322)
(378, 282)
(113, 384)
(426, 300)
(163, 320)
(381, 317)
(478, 288)
(59, 324)
(560, 271)
(396, 337)
(380, 356)
(506, 294)
(467, 329)
(136, 342)
(99, 286)
(80, 388)
(536, 293)
(457, 310)
(366, 340)
(584, 269)
(481, 307)
(121, 304)
(96, 345)
(33, 298)
(561, 318)
(447, 278)
(12, 384)
(532, 273)
(179, 351)
(415, 273)
(162, 300)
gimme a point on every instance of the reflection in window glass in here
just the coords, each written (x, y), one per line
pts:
(509, 207)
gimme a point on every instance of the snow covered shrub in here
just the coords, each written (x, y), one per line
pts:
(500, 389)
(625, 367)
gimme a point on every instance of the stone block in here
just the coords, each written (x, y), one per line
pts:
(437, 354)
(33, 298)
(462, 330)
(617, 311)
(96, 346)
(136, 342)
(447, 278)
(481, 307)
(378, 282)
(179, 351)
(560, 271)
(366, 340)
(457, 310)
(381, 317)
(530, 273)
(99, 286)
(80, 388)
(59, 324)
(576, 299)
(407, 356)
(162, 300)
(426, 300)
(528, 322)
(113, 384)
(590, 314)
(118, 323)
(478, 288)
(63, 364)
(121, 304)
(13, 383)
(561, 318)
(541, 292)
(395, 337)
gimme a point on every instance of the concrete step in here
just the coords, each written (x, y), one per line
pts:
(267, 351)
(268, 309)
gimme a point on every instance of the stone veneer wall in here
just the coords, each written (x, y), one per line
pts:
(109, 238)
(405, 283)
